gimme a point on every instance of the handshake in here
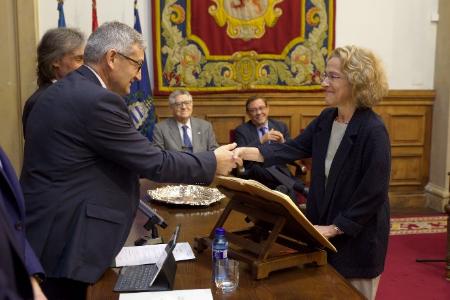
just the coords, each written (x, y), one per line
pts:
(229, 157)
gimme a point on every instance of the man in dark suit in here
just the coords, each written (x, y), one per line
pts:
(83, 159)
(261, 129)
(182, 132)
(59, 52)
(18, 263)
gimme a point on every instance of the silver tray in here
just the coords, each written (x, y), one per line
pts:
(194, 195)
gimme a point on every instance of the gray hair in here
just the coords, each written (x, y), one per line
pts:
(55, 43)
(173, 96)
(111, 35)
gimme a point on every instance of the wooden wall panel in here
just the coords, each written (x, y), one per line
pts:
(407, 115)
(305, 119)
(408, 166)
(407, 129)
(222, 125)
(286, 120)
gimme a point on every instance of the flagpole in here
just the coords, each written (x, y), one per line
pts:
(94, 16)
(140, 100)
(61, 18)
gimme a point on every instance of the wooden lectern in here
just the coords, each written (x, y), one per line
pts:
(278, 236)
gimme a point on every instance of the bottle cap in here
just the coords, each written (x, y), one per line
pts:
(220, 230)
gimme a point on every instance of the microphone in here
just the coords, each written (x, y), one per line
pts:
(153, 217)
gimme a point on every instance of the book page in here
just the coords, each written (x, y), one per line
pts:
(149, 254)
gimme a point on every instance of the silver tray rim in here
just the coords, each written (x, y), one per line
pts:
(159, 195)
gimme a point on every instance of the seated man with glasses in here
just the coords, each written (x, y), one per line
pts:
(182, 132)
(261, 129)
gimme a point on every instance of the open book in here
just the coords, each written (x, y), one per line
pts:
(298, 225)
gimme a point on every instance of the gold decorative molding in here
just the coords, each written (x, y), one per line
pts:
(245, 19)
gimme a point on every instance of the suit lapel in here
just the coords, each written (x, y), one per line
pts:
(320, 147)
(253, 132)
(86, 72)
(273, 125)
(341, 155)
(195, 132)
(175, 133)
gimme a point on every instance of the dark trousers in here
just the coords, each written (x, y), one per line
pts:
(64, 289)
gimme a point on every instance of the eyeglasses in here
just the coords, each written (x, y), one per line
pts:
(330, 76)
(138, 63)
(182, 103)
(256, 109)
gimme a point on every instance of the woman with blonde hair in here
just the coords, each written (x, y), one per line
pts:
(351, 162)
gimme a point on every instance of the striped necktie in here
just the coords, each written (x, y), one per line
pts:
(187, 145)
(263, 130)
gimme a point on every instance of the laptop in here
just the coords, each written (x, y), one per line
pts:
(150, 277)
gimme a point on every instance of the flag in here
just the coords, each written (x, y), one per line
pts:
(140, 101)
(61, 19)
(94, 16)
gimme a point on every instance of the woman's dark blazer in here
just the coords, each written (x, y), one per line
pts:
(355, 197)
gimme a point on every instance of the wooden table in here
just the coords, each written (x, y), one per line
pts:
(296, 283)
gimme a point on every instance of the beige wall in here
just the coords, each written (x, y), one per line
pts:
(438, 187)
(18, 33)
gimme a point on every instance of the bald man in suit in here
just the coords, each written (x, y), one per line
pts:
(182, 132)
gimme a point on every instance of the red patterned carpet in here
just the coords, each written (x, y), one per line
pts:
(404, 278)
(418, 225)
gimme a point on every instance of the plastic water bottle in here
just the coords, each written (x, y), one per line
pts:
(219, 250)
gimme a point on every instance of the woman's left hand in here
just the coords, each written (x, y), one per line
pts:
(328, 231)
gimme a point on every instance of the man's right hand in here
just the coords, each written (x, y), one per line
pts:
(226, 161)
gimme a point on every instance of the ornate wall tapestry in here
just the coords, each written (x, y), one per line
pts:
(241, 45)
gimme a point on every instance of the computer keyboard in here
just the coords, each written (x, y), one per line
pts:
(135, 278)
